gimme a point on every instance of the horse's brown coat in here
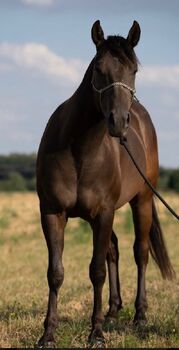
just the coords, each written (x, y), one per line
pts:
(83, 171)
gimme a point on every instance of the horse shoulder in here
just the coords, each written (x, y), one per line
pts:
(147, 131)
(56, 173)
(142, 122)
(57, 180)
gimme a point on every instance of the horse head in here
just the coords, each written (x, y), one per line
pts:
(113, 77)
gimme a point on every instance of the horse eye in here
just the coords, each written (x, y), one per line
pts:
(97, 69)
(135, 71)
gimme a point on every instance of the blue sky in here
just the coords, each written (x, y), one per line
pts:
(46, 46)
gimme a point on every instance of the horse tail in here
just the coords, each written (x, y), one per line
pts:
(158, 248)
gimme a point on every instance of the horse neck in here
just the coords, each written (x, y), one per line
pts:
(83, 114)
(84, 93)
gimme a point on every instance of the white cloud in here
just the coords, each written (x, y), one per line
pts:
(38, 2)
(164, 76)
(40, 58)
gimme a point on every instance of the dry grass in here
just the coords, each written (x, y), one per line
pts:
(23, 288)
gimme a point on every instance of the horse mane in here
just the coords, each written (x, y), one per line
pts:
(120, 47)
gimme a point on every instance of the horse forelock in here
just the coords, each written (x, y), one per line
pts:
(120, 47)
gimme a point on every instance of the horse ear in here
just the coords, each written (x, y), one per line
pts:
(97, 34)
(134, 34)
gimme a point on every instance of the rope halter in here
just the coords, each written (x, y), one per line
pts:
(117, 83)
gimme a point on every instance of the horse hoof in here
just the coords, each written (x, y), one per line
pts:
(44, 343)
(47, 345)
(97, 343)
(100, 343)
(96, 340)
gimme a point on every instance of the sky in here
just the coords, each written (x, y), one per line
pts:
(46, 46)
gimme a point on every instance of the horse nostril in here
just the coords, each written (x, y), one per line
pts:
(111, 119)
(128, 118)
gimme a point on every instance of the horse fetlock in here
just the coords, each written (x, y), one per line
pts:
(115, 302)
(97, 321)
(140, 318)
(46, 341)
(141, 305)
(51, 323)
(113, 310)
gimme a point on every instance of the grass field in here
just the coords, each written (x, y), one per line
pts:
(24, 290)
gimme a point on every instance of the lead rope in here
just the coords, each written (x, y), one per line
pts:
(123, 143)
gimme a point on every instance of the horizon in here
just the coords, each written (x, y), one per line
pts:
(35, 154)
(46, 46)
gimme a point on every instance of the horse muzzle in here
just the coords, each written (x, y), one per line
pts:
(118, 126)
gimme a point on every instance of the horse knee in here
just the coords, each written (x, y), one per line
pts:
(98, 278)
(97, 275)
(141, 252)
(55, 276)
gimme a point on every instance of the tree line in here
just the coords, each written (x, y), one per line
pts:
(17, 173)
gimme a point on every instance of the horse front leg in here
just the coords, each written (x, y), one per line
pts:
(53, 227)
(115, 301)
(102, 230)
(142, 215)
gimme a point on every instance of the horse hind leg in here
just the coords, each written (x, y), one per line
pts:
(53, 226)
(115, 301)
(142, 216)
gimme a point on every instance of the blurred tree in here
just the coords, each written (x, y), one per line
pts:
(17, 173)
(15, 182)
(173, 182)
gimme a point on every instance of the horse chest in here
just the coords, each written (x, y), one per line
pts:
(97, 186)
(81, 184)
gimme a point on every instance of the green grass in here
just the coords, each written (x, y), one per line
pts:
(6, 217)
(128, 221)
(24, 290)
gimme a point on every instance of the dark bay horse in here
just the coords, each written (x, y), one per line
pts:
(84, 171)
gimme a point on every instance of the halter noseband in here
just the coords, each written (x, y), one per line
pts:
(117, 83)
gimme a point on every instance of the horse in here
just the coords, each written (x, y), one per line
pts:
(84, 171)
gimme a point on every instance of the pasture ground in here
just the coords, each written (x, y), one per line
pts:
(24, 291)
